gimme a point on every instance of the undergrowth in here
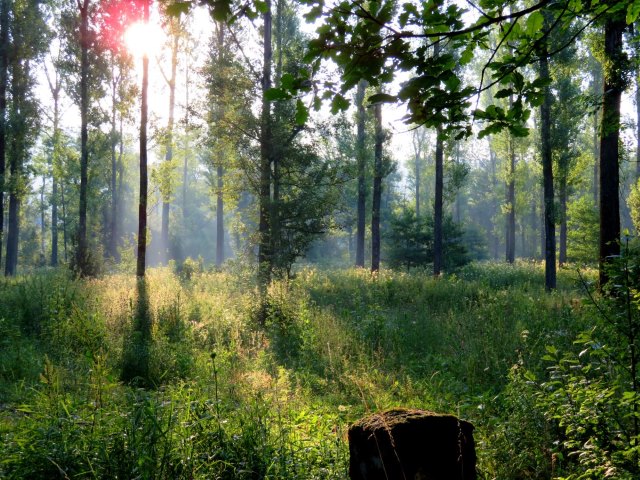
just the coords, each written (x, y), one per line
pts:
(230, 399)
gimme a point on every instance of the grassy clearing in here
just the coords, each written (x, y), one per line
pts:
(232, 400)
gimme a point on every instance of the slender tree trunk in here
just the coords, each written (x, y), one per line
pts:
(547, 175)
(4, 62)
(609, 156)
(13, 233)
(113, 227)
(638, 123)
(438, 205)
(377, 190)
(510, 240)
(495, 203)
(220, 216)
(187, 147)
(418, 145)
(142, 205)
(64, 222)
(597, 90)
(82, 254)
(264, 224)
(562, 258)
(362, 186)
(166, 206)
(54, 176)
(220, 168)
(42, 218)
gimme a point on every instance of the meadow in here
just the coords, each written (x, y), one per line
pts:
(233, 399)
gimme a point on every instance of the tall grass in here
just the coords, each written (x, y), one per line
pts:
(230, 399)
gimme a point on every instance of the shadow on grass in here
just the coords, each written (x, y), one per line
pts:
(137, 346)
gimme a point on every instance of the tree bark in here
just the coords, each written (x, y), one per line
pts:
(113, 220)
(55, 90)
(609, 155)
(510, 241)
(142, 205)
(264, 224)
(82, 253)
(547, 176)
(377, 190)
(166, 206)
(438, 205)
(220, 168)
(4, 62)
(362, 186)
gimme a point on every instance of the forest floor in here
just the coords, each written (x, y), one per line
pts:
(232, 399)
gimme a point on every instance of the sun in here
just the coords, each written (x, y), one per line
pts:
(144, 39)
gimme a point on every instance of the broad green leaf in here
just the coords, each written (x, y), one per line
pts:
(178, 8)
(382, 98)
(276, 94)
(302, 113)
(339, 103)
(534, 23)
(633, 10)
(261, 6)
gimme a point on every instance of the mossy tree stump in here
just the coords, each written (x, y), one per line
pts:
(411, 445)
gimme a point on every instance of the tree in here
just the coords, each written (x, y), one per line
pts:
(264, 223)
(361, 165)
(547, 175)
(4, 62)
(378, 173)
(142, 203)
(27, 34)
(175, 27)
(614, 84)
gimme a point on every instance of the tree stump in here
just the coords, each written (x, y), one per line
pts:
(411, 445)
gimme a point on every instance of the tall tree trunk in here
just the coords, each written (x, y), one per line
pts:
(64, 222)
(377, 190)
(264, 224)
(113, 220)
(362, 186)
(564, 194)
(42, 218)
(638, 123)
(164, 229)
(418, 145)
(220, 216)
(547, 176)
(4, 62)
(82, 254)
(142, 205)
(187, 147)
(609, 156)
(438, 205)
(55, 90)
(220, 168)
(510, 241)
(494, 203)
(597, 90)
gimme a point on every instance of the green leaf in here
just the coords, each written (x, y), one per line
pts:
(534, 23)
(518, 130)
(382, 98)
(339, 103)
(466, 56)
(302, 113)
(276, 94)
(452, 83)
(286, 81)
(178, 8)
(633, 10)
(261, 6)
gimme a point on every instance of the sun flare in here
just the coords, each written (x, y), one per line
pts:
(144, 39)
